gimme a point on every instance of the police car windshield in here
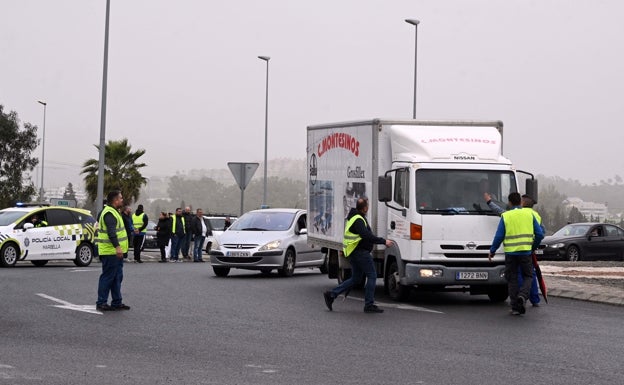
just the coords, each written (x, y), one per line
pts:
(8, 217)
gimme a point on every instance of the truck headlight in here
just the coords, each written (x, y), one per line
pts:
(430, 273)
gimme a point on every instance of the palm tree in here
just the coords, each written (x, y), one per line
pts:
(121, 171)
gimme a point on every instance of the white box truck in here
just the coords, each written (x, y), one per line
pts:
(425, 182)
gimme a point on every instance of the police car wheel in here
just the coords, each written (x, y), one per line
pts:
(8, 255)
(84, 255)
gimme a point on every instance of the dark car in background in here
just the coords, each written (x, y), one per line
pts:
(150, 241)
(584, 241)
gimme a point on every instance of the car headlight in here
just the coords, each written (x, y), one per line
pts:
(556, 245)
(271, 245)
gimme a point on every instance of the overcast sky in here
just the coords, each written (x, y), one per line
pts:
(185, 83)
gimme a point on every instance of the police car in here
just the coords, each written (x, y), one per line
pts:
(39, 233)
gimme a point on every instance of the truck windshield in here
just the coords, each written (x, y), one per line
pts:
(457, 192)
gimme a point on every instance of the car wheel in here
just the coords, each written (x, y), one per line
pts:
(84, 255)
(392, 284)
(289, 264)
(208, 247)
(324, 269)
(39, 263)
(573, 254)
(8, 255)
(498, 293)
(221, 271)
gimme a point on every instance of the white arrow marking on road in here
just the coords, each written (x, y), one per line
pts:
(70, 306)
(399, 306)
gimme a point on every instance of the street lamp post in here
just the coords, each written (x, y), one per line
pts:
(266, 129)
(100, 181)
(415, 23)
(44, 104)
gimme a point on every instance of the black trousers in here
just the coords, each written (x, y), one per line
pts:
(513, 264)
(137, 244)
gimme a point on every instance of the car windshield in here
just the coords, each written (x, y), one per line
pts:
(462, 191)
(263, 221)
(8, 217)
(572, 230)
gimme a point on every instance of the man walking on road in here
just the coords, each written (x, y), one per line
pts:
(520, 234)
(357, 247)
(112, 242)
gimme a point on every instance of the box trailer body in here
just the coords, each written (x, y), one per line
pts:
(425, 182)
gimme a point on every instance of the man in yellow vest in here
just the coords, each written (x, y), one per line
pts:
(357, 247)
(520, 234)
(139, 223)
(112, 243)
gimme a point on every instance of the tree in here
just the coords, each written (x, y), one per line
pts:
(69, 192)
(16, 148)
(121, 171)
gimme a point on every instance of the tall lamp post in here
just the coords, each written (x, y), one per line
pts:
(266, 129)
(415, 23)
(100, 181)
(44, 104)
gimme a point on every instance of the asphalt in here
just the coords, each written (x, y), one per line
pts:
(599, 281)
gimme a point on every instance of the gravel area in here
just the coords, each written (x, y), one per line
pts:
(585, 269)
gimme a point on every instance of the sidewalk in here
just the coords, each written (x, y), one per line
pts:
(586, 283)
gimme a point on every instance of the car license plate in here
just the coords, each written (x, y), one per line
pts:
(238, 254)
(471, 275)
(539, 251)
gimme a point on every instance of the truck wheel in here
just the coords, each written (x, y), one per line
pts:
(8, 255)
(392, 284)
(40, 262)
(573, 254)
(498, 293)
(221, 271)
(84, 255)
(289, 264)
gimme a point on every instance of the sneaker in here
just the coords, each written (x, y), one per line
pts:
(329, 300)
(121, 307)
(514, 312)
(104, 307)
(372, 309)
(520, 304)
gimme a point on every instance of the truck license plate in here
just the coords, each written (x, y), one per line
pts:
(238, 254)
(471, 275)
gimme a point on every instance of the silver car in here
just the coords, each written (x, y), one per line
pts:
(265, 240)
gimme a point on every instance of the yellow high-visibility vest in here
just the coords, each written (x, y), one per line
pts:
(105, 246)
(351, 240)
(137, 220)
(518, 230)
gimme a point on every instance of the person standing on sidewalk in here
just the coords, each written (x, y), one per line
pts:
(185, 244)
(126, 215)
(520, 234)
(139, 221)
(112, 242)
(357, 247)
(198, 229)
(178, 232)
(163, 234)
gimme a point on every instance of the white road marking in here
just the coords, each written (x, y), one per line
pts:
(70, 306)
(3, 366)
(79, 269)
(399, 306)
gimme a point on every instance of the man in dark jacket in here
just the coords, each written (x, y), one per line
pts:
(126, 215)
(163, 234)
(185, 243)
(198, 229)
(358, 245)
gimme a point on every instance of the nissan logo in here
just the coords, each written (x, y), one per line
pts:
(471, 245)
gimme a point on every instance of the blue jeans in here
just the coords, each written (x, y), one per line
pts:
(175, 247)
(185, 244)
(197, 247)
(361, 265)
(534, 293)
(110, 280)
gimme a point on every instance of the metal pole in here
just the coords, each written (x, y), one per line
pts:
(266, 130)
(415, 23)
(41, 192)
(100, 182)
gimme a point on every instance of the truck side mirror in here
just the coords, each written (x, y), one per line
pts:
(531, 189)
(384, 190)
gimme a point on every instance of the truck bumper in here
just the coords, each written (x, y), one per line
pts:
(424, 275)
